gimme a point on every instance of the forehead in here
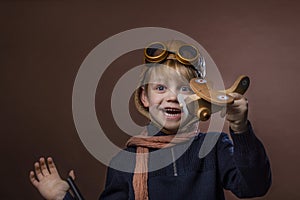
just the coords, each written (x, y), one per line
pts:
(167, 74)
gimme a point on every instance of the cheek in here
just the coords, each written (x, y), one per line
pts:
(155, 99)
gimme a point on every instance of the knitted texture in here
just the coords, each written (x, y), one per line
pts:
(143, 142)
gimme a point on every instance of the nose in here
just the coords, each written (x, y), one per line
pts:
(172, 96)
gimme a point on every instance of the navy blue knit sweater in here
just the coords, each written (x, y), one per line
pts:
(242, 168)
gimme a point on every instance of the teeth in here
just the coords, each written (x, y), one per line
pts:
(171, 115)
(172, 111)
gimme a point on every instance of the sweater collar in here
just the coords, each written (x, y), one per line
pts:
(153, 130)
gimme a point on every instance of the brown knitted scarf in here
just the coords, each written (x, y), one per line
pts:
(143, 142)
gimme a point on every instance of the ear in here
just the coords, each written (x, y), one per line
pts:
(144, 98)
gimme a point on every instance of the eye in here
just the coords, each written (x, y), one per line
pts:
(185, 89)
(160, 88)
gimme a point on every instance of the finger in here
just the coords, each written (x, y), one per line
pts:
(72, 174)
(38, 171)
(51, 165)
(239, 104)
(32, 178)
(235, 104)
(232, 118)
(232, 110)
(44, 167)
(236, 96)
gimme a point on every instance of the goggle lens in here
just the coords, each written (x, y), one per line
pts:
(155, 50)
(188, 53)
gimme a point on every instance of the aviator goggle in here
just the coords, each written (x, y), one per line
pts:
(186, 54)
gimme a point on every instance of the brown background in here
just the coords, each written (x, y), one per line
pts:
(43, 43)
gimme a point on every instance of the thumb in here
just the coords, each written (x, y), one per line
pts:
(236, 96)
(72, 174)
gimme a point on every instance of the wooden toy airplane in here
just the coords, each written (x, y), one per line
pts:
(211, 101)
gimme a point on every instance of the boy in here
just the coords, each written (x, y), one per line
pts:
(165, 162)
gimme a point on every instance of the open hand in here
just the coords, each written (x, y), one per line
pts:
(48, 181)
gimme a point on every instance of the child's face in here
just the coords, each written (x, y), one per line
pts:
(162, 98)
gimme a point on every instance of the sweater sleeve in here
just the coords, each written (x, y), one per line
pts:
(116, 186)
(68, 196)
(243, 165)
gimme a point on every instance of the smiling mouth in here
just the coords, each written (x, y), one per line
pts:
(172, 112)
